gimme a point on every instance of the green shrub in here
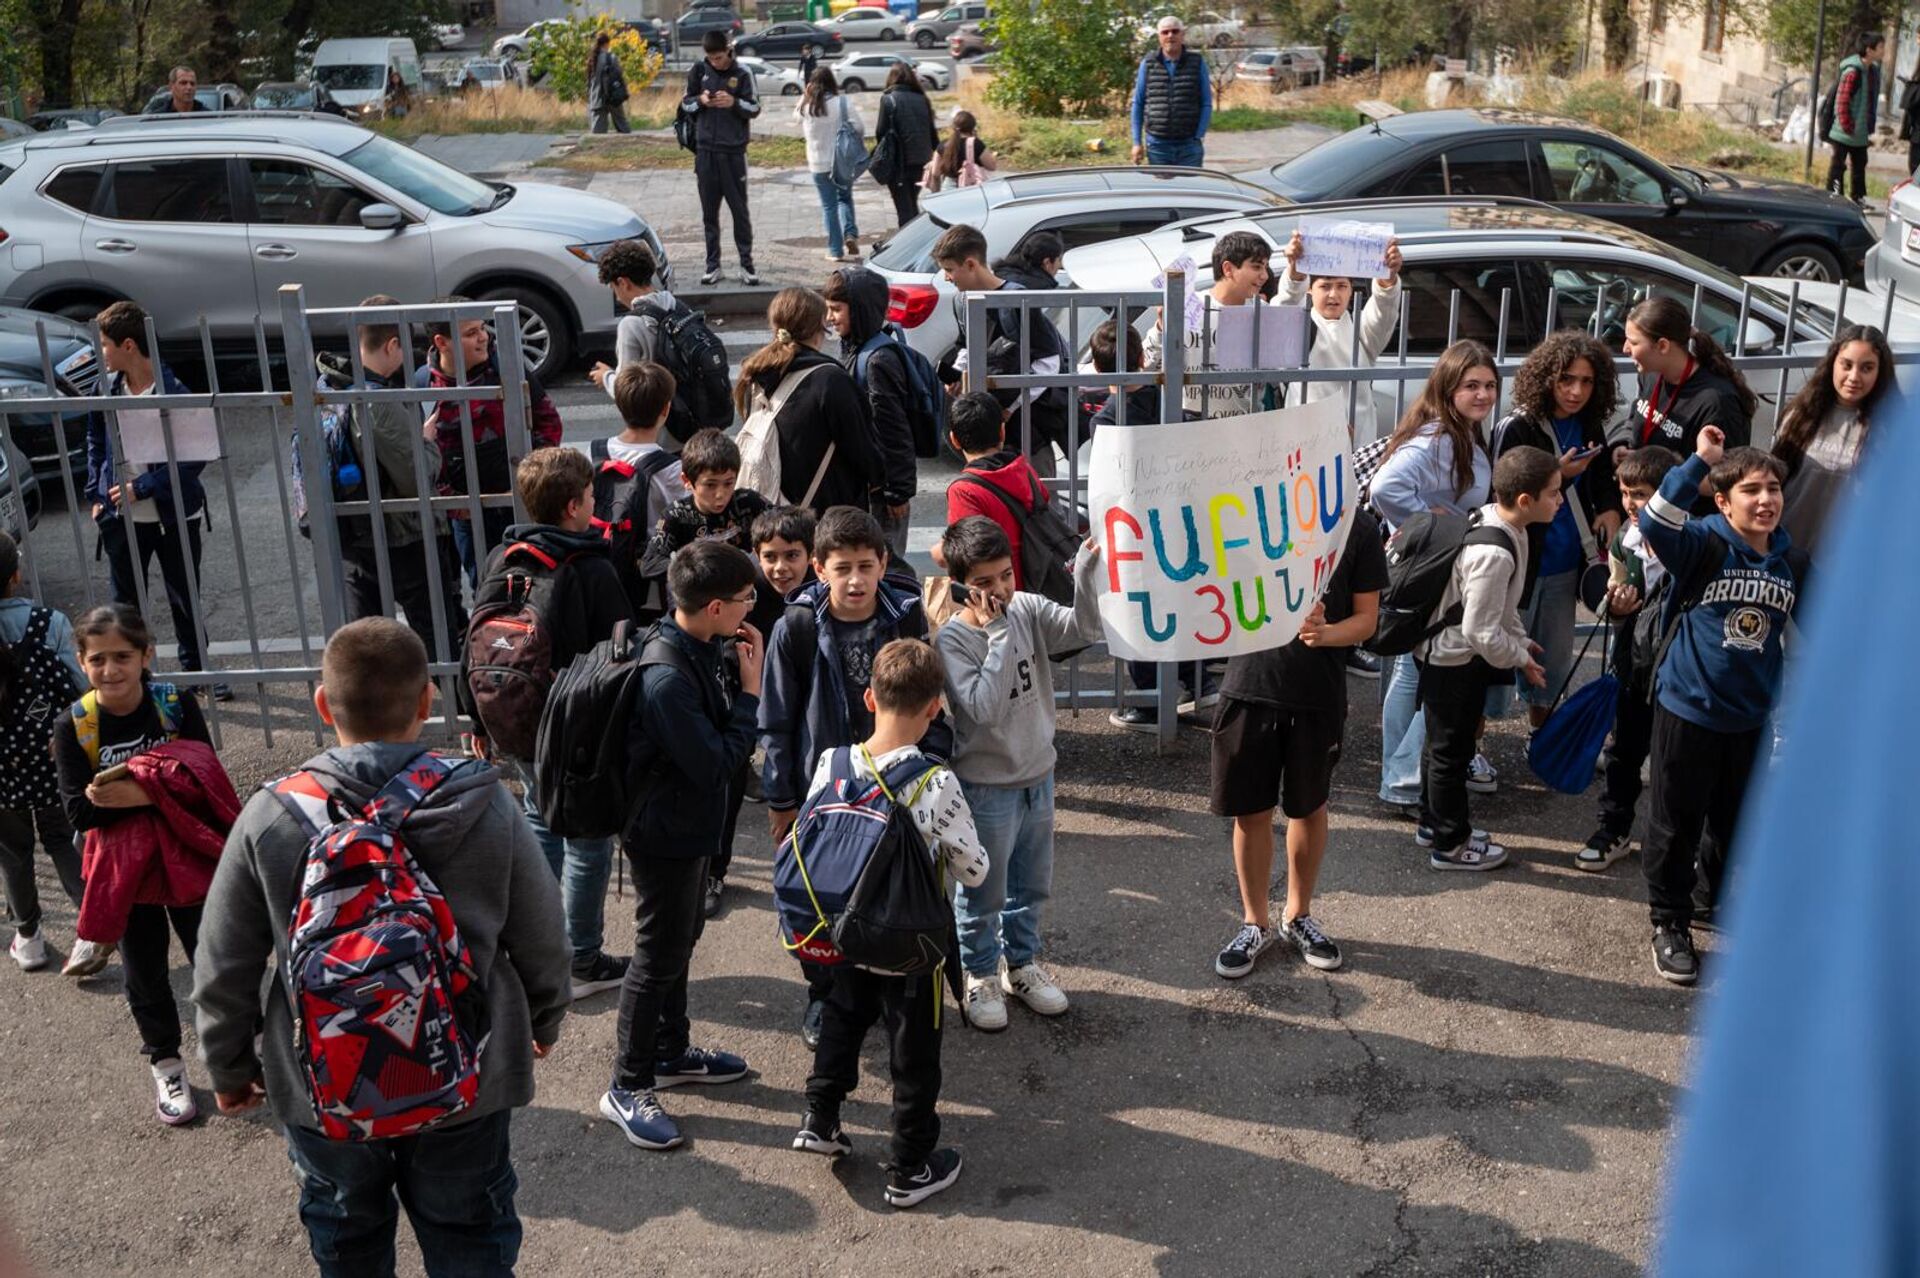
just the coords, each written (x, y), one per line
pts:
(1062, 57)
(560, 54)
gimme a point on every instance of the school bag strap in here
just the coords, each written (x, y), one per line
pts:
(1685, 601)
(598, 453)
(1020, 513)
(86, 717)
(310, 803)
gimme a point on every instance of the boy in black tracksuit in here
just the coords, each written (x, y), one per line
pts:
(721, 95)
(1736, 585)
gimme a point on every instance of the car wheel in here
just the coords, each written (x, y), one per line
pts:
(746, 50)
(924, 39)
(854, 86)
(889, 35)
(1803, 262)
(1222, 40)
(789, 90)
(545, 337)
(79, 309)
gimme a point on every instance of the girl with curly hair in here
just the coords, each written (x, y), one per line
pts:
(1563, 400)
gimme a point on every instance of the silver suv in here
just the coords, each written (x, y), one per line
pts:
(211, 214)
(928, 32)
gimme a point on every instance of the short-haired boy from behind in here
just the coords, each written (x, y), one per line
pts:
(469, 840)
(45, 671)
(1736, 584)
(690, 731)
(579, 597)
(976, 427)
(636, 481)
(904, 700)
(998, 652)
(1464, 658)
(1277, 736)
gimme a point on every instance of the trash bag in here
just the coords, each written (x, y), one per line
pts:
(1565, 748)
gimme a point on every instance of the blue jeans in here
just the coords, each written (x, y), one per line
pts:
(583, 867)
(1403, 733)
(836, 210)
(1003, 913)
(457, 1185)
(1190, 153)
(1549, 622)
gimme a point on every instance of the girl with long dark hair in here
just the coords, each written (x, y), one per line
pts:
(1686, 382)
(823, 109)
(606, 87)
(1823, 432)
(906, 117)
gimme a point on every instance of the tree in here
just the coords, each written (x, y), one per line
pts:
(55, 23)
(1792, 25)
(1062, 57)
(559, 53)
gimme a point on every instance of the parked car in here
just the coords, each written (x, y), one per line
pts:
(1542, 267)
(787, 39)
(770, 80)
(215, 214)
(211, 97)
(1745, 224)
(447, 35)
(1291, 68)
(10, 129)
(1083, 206)
(19, 515)
(519, 44)
(70, 118)
(657, 35)
(1204, 29)
(357, 72)
(928, 32)
(860, 71)
(295, 95)
(23, 376)
(694, 24)
(490, 75)
(866, 23)
(968, 42)
(1894, 263)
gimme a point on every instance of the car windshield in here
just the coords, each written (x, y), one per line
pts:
(910, 251)
(282, 96)
(337, 77)
(442, 189)
(1330, 166)
(485, 71)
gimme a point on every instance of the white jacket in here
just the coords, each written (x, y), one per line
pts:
(1333, 347)
(1488, 585)
(819, 130)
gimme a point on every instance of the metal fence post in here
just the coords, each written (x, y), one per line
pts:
(1173, 368)
(297, 340)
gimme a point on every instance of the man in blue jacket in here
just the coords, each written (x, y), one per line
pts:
(1172, 100)
(137, 507)
(1736, 583)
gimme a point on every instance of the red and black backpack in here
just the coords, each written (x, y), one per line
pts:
(623, 513)
(508, 663)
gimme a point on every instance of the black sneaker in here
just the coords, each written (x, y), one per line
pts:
(821, 1134)
(1673, 955)
(1603, 848)
(1246, 947)
(811, 1021)
(1136, 718)
(222, 692)
(710, 900)
(1208, 697)
(1363, 663)
(601, 972)
(905, 1188)
(1315, 946)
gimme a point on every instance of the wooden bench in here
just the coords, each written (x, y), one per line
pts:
(1373, 110)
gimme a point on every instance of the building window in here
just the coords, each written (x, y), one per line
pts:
(1714, 23)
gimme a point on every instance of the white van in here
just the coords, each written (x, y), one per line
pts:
(355, 71)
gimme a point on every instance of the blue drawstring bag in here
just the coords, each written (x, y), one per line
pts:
(1565, 748)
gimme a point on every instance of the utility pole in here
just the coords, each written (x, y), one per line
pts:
(1813, 119)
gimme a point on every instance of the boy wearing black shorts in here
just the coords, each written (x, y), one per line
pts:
(1277, 736)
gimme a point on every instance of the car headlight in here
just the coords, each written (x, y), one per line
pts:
(591, 252)
(24, 390)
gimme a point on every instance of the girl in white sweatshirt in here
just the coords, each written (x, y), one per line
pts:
(1328, 299)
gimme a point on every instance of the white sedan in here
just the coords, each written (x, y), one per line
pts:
(448, 35)
(863, 22)
(1203, 30)
(858, 71)
(769, 78)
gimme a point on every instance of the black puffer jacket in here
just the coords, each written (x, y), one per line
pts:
(826, 408)
(887, 390)
(910, 115)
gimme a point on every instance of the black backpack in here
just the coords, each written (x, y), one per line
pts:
(623, 513)
(703, 395)
(35, 690)
(1048, 543)
(507, 663)
(1829, 109)
(685, 129)
(1420, 559)
(927, 400)
(585, 779)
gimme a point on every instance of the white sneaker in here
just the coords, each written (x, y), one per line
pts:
(986, 1010)
(1031, 986)
(173, 1099)
(88, 958)
(30, 952)
(1482, 776)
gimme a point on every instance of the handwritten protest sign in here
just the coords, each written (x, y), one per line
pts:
(1196, 308)
(144, 441)
(1358, 249)
(1219, 542)
(1283, 336)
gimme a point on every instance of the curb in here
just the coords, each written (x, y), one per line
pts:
(730, 303)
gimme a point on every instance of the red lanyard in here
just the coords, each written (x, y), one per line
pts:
(1653, 399)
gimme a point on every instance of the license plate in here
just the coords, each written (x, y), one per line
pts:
(1913, 237)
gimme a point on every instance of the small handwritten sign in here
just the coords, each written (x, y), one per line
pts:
(1282, 336)
(1358, 249)
(1196, 307)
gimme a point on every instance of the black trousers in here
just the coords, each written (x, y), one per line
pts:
(1452, 698)
(653, 999)
(1848, 157)
(409, 567)
(17, 826)
(143, 962)
(906, 199)
(722, 175)
(1699, 780)
(1632, 738)
(908, 1006)
(166, 541)
(736, 795)
(1913, 153)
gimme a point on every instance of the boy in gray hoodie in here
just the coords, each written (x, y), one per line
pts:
(468, 836)
(998, 652)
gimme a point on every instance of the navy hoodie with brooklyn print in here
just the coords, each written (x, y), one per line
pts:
(1723, 670)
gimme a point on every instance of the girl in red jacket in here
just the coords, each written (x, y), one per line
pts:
(126, 713)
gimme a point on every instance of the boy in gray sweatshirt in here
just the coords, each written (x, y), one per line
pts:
(998, 652)
(468, 837)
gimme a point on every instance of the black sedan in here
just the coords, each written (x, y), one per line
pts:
(657, 34)
(1748, 225)
(23, 376)
(787, 39)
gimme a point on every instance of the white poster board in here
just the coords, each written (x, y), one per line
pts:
(1357, 249)
(1219, 537)
(1283, 336)
(143, 440)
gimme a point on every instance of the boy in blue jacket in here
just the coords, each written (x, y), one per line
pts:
(1736, 584)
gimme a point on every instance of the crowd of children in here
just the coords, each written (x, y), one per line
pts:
(758, 626)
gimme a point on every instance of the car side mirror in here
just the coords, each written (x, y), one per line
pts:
(382, 217)
(1677, 198)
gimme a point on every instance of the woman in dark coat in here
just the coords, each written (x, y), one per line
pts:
(906, 116)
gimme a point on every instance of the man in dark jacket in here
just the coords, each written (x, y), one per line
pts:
(138, 506)
(721, 95)
(1172, 101)
(857, 309)
(182, 83)
(686, 735)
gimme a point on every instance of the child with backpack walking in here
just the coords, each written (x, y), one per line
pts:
(904, 700)
(658, 328)
(998, 651)
(44, 679)
(1637, 585)
(879, 362)
(1481, 639)
(165, 812)
(552, 577)
(426, 1120)
(1736, 582)
(690, 729)
(963, 159)
(819, 663)
(635, 482)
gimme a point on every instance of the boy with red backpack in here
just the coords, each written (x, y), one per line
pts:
(549, 595)
(498, 964)
(635, 481)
